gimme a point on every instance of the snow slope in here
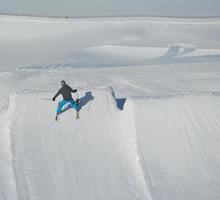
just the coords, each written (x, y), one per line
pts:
(155, 137)
(39, 40)
(90, 158)
(127, 56)
(114, 154)
(179, 145)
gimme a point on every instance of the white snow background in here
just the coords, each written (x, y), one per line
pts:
(149, 125)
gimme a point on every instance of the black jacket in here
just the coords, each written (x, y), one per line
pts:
(65, 90)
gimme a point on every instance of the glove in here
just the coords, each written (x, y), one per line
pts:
(77, 101)
(53, 99)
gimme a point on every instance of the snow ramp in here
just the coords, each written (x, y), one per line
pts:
(178, 141)
(161, 149)
(90, 158)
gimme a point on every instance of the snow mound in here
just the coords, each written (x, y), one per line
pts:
(46, 39)
(177, 49)
(179, 146)
(153, 149)
(90, 158)
(128, 56)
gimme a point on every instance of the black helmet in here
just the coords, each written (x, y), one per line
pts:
(63, 82)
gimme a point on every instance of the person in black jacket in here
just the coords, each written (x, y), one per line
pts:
(65, 91)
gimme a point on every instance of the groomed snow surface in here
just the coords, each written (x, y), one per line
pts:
(149, 126)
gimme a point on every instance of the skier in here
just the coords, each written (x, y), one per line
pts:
(66, 91)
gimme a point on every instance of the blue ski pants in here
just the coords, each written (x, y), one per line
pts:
(64, 102)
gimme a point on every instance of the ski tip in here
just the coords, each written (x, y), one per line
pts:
(77, 115)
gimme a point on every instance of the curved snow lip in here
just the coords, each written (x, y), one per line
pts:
(178, 49)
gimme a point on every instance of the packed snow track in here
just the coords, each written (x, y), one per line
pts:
(152, 149)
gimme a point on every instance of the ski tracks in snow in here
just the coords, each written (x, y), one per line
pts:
(115, 155)
(202, 127)
(60, 159)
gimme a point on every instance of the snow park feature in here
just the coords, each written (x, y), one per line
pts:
(149, 126)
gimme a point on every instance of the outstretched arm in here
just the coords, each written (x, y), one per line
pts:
(73, 91)
(56, 95)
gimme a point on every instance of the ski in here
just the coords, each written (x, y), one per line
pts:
(56, 117)
(77, 114)
(77, 102)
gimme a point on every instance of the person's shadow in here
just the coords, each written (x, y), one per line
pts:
(83, 101)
